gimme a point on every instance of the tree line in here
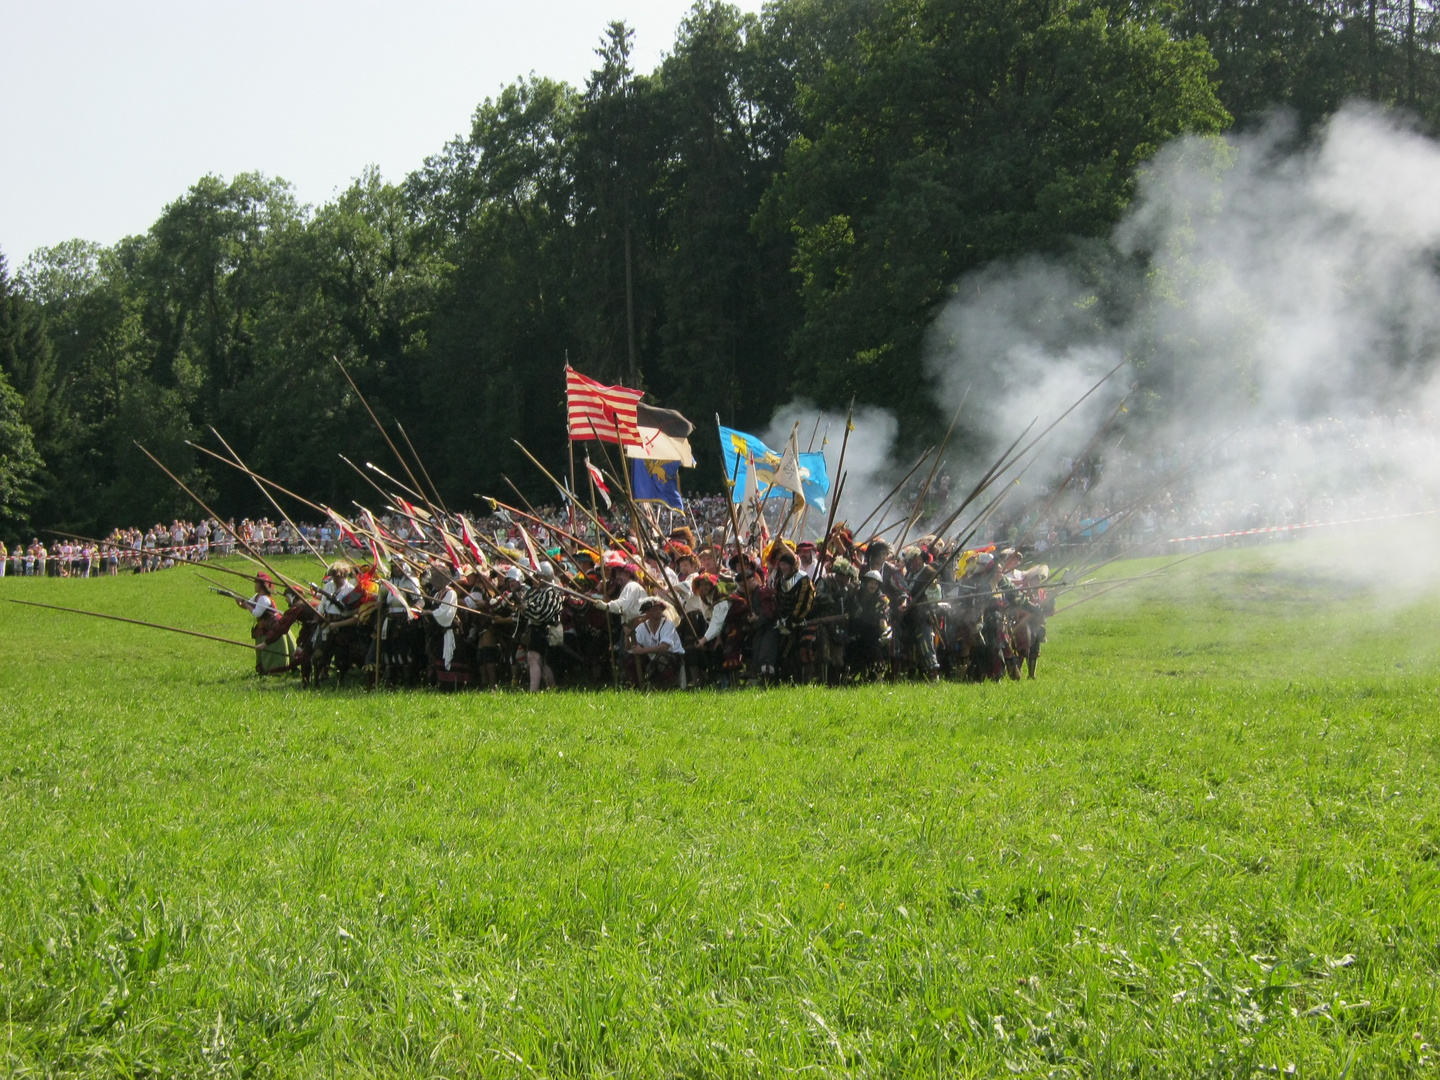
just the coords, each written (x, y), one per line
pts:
(774, 212)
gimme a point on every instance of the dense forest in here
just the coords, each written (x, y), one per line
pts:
(775, 212)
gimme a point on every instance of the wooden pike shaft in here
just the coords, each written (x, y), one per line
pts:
(545, 524)
(423, 471)
(919, 507)
(1044, 513)
(1127, 581)
(994, 503)
(169, 555)
(200, 503)
(839, 470)
(552, 479)
(379, 490)
(985, 481)
(403, 487)
(256, 476)
(279, 509)
(903, 481)
(135, 622)
(1080, 401)
(381, 428)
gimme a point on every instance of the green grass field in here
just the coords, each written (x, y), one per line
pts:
(1205, 843)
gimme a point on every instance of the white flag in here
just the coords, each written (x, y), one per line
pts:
(747, 513)
(789, 473)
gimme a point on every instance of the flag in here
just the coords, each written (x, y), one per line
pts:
(664, 436)
(411, 513)
(749, 500)
(467, 536)
(410, 612)
(657, 481)
(530, 552)
(346, 527)
(787, 473)
(814, 477)
(598, 479)
(378, 548)
(597, 411)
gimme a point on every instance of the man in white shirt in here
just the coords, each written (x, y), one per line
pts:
(809, 565)
(657, 646)
(628, 605)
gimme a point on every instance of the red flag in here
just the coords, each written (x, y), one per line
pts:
(467, 536)
(346, 527)
(409, 512)
(597, 411)
(530, 549)
(598, 479)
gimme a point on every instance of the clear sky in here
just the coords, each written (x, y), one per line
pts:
(110, 109)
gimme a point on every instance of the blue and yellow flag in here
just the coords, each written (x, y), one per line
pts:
(814, 478)
(656, 481)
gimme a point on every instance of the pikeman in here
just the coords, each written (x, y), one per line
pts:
(401, 639)
(869, 626)
(1028, 612)
(794, 598)
(630, 596)
(923, 589)
(449, 667)
(339, 599)
(659, 654)
(809, 564)
(832, 597)
(300, 613)
(540, 631)
(274, 650)
(993, 596)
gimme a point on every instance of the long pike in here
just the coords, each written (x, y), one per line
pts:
(136, 622)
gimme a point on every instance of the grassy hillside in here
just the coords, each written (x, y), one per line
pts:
(1206, 842)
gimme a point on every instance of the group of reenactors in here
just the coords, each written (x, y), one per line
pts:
(664, 614)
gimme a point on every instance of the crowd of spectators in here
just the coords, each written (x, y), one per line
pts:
(1284, 474)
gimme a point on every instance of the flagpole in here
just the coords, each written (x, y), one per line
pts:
(572, 479)
(570, 439)
(552, 479)
(734, 523)
(604, 576)
(840, 472)
(919, 507)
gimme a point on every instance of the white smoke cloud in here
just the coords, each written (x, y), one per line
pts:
(1277, 306)
(867, 457)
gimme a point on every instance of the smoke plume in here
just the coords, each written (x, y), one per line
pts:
(1277, 309)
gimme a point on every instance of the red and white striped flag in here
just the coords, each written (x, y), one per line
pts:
(467, 535)
(598, 479)
(597, 411)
